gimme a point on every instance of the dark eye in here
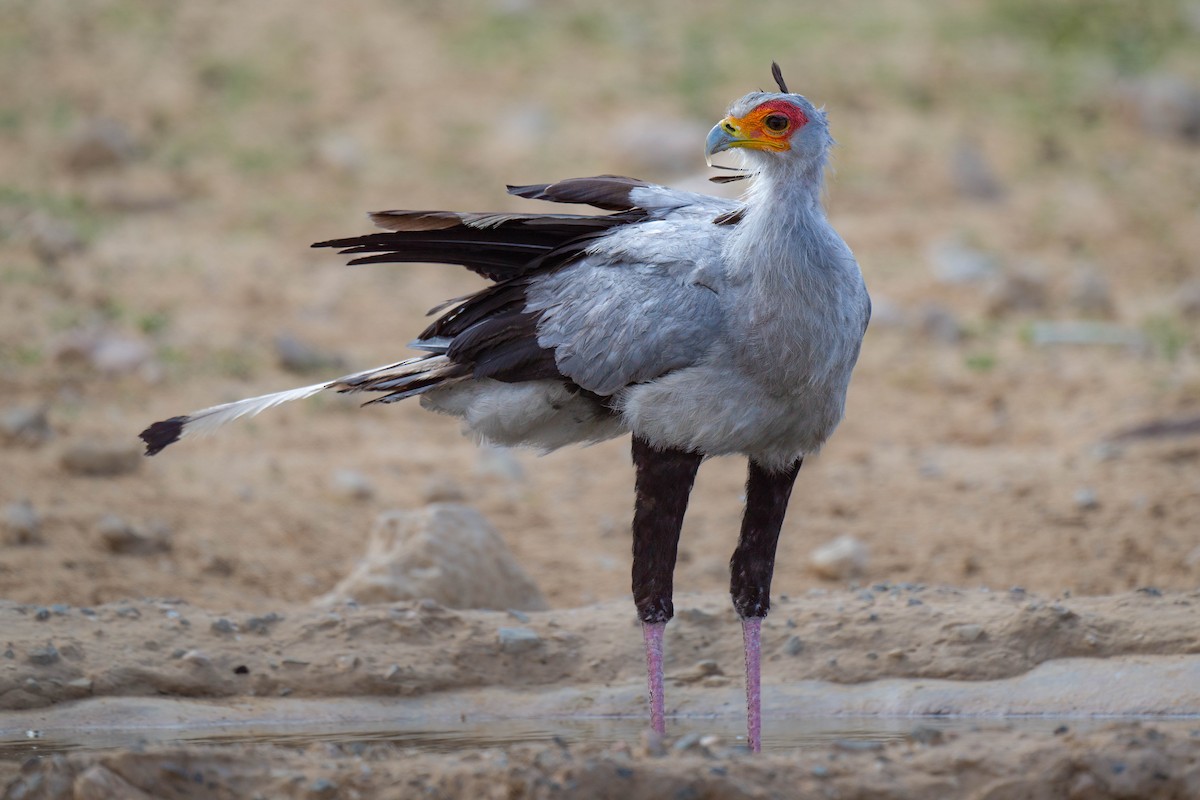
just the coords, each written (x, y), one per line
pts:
(777, 122)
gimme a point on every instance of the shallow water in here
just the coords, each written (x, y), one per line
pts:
(781, 736)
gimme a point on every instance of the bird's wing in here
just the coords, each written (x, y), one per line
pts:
(643, 302)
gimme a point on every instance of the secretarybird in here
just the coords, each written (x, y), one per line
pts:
(703, 326)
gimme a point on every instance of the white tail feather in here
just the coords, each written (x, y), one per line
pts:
(208, 420)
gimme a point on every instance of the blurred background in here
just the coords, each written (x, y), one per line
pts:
(1019, 179)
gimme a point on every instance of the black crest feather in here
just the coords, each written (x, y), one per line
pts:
(777, 74)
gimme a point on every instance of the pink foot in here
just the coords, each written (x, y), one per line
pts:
(751, 636)
(652, 632)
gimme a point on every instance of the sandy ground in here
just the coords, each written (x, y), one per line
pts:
(164, 170)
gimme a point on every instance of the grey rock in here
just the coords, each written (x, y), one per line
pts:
(1090, 293)
(223, 626)
(351, 484)
(262, 625)
(973, 176)
(101, 459)
(300, 357)
(22, 523)
(1086, 499)
(515, 641)
(444, 552)
(51, 239)
(43, 656)
(956, 262)
(340, 152)
(100, 144)
(969, 632)
(121, 538)
(1187, 299)
(1166, 105)
(106, 351)
(25, 425)
(794, 646)
(940, 324)
(443, 489)
(844, 557)
(1016, 292)
(1080, 332)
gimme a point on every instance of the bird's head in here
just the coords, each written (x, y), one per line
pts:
(773, 128)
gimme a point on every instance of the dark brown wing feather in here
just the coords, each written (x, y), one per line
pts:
(489, 334)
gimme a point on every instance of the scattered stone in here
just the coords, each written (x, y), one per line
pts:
(322, 788)
(1090, 294)
(844, 557)
(101, 459)
(340, 152)
(1187, 299)
(443, 489)
(969, 632)
(445, 552)
(224, 626)
(1086, 499)
(100, 144)
(519, 616)
(51, 239)
(261, 625)
(109, 352)
(197, 658)
(302, 358)
(1014, 293)
(347, 663)
(1166, 105)
(973, 176)
(956, 262)
(794, 646)
(1079, 332)
(121, 538)
(25, 426)
(43, 656)
(940, 324)
(515, 641)
(351, 484)
(22, 522)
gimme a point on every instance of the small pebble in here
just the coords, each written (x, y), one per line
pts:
(100, 143)
(350, 484)
(1086, 499)
(24, 426)
(969, 632)
(518, 640)
(842, 558)
(794, 646)
(100, 459)
(43, 656)
(300, 357)
(223, 626)
(121, 538)
(22, 523)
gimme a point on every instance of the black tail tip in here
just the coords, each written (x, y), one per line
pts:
(161, 434)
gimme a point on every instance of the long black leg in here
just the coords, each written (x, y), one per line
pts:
(664, 482)
(751, 568)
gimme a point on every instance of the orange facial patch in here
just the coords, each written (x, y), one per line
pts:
(770, 125)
